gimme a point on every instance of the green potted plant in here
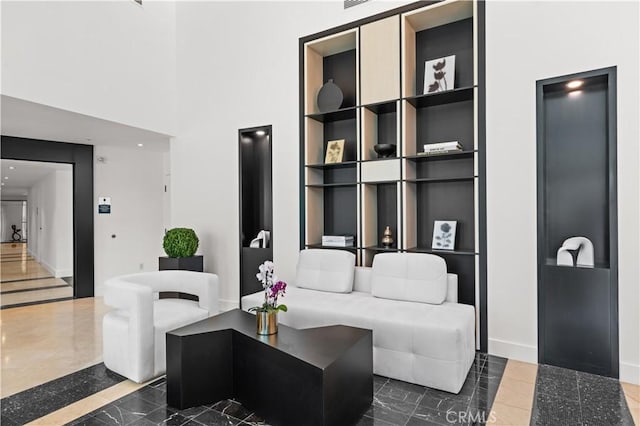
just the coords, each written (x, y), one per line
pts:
(180, 245)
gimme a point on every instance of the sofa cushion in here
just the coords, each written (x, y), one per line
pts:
(326, 270)
(414, 277)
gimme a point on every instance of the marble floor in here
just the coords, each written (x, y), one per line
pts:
(52, 375)
(24, 281)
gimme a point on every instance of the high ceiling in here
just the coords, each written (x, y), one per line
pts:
(37, 121)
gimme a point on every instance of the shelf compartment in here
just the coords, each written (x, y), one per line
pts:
(437, 31)
(439, 123)
(461, 94)
(438, 252)
(453, 167)
(331, 210)
(332, 57)
(381, 208)
(332, 176)
(380, 125)
(426, 202)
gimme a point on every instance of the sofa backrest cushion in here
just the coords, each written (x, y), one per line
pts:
(414, 277)
(326, 270)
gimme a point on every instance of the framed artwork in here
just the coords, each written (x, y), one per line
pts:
(444, 234)
(335, 151)
(439, 74)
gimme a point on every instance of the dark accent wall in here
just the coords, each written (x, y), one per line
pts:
(81, 158)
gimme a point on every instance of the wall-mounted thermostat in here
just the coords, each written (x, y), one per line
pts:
(104, 205)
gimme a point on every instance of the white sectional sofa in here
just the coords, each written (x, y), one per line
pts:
(420, 333)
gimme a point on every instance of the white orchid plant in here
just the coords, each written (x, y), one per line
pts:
(273, 288)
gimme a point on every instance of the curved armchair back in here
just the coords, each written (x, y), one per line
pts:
(129, 349)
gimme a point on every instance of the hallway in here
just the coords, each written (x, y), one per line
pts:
(24, 281)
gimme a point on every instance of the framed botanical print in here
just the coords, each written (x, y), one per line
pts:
(335, 151)
(444, 235)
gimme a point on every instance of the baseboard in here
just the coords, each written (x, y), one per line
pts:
(63, 273)
(630, 373)
(513, 350)
(227, 305)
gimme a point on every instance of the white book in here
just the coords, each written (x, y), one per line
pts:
(337, 238)
(441, 146)
(338, 243)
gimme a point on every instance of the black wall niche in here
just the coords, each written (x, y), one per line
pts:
(256, 202)
(577, 196)
(81, 158)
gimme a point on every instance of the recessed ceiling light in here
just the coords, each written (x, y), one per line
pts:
(575, 93)
(11, 168)
(6, 177)
(260, 132)
(574, 84)
(2, 183)
(140, 145)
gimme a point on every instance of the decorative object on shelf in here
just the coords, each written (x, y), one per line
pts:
(330, 97)
(444, 234)
(262, 240)
(384, 150)
(441, 148)
(180, 245)
(267, 314)
(387, 238)
(439, 74)
(335, 151)
(338, 240)
(584, 248)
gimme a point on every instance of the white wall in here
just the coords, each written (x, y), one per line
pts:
(109, 59)
(237, 67)
(50, 205)
(133, 178)
(11, 215)
(528, 41)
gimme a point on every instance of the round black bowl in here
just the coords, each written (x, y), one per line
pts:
(384, 150)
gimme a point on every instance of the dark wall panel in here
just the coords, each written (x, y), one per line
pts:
(342, 129)
(340, 210)
(341, 67)
(387, 208)
(445, 123)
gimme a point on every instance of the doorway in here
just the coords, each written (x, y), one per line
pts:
(80, 159)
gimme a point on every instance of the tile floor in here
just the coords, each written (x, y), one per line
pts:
(46, 342)
(24, 281)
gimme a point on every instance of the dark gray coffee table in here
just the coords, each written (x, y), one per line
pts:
(318, 376)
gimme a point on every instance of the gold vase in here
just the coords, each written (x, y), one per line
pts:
(387, 239)
(267, 322)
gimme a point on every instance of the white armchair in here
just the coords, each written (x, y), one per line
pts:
(134, 342)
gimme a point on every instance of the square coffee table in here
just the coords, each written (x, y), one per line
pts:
(316, 376)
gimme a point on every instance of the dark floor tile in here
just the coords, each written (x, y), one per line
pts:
(166, 416)
(488, 385)
(481, 355)
(379, 413)
(481, 402)
(29, 405)
(444, 401)
(378, 382)
(393, 404)
(605, 415)
(493, 370)
(440, 417)
(369, 421)
(144, 422)
(154, 395)
(416, 421)
(254, 420)
(158, 382)
(192, 412)
(87, 421)
(137, 405)
(552, 411)
(402, 391)
(493, 359)
(598, 389)
(214, 418)
(114, 415)
(231, 408)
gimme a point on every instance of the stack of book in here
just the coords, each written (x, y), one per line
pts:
(337, 240)
(441, 148)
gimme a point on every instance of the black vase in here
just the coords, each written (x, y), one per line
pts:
(330, 97)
